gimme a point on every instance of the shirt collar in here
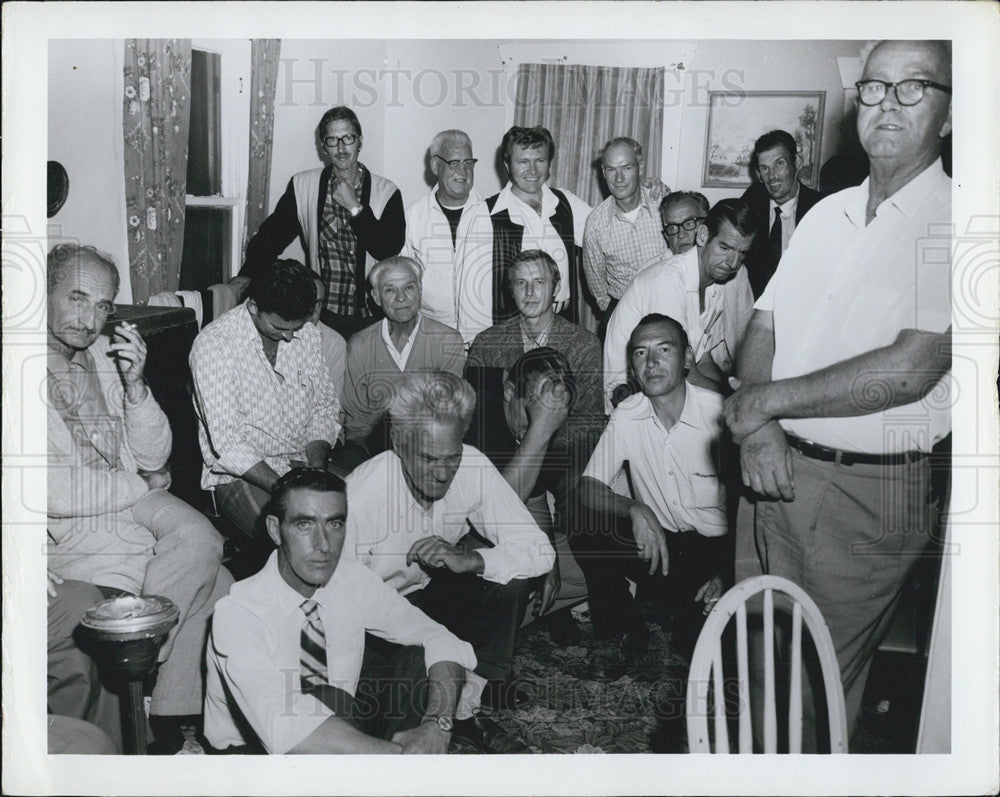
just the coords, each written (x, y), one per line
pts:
(690, 268)
(60, 366)
(645, 202)
(506, 200)
(388, 341)
(689, 414)
(788, 206)
(907, 200)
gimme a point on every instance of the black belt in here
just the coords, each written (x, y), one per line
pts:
(824, 454)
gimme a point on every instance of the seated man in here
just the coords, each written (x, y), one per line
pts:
(534, 399)
(111, 521)
(379, 355)
(263, 397)
(534, 278)
(669, 434)
(287, 655)
(705, 289)
(414, 504)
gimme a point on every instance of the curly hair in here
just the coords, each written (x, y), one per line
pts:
(424, 397)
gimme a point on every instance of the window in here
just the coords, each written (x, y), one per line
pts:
(217, 162)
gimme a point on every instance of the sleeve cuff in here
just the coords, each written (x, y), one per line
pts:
(444, 649)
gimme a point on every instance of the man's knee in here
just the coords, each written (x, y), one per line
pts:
(72, 600)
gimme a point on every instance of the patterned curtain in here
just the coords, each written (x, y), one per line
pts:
(157, 112)
(263, 81)
(584, 106)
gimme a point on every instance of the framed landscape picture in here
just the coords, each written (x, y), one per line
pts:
(737, 119)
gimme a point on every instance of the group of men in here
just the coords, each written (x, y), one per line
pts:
(416, 467)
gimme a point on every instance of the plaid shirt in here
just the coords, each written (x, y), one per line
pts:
(249, 411)
(615, 249)
(338, 247)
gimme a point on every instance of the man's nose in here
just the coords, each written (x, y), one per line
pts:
(287, 335)
(321, 542)
(87, 315)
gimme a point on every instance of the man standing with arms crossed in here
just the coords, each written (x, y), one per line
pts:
(850, 337)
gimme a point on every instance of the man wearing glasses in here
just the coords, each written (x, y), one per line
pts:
(859, 306)
(779, 201)
(436, 223)
(705, 288)
(347, 219)
(622, 235)
(682, 213)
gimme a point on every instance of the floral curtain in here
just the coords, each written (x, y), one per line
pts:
(263, 81)
(156, 116)
(583, 107)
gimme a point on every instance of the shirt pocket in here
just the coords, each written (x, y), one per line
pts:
(706, 490)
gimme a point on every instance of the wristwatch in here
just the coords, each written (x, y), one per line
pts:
(444, 722)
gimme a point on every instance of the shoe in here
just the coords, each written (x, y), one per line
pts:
(504, 696)
(487, 736)
(563, 628)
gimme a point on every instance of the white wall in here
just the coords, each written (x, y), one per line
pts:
(85, 135)
(404, 91)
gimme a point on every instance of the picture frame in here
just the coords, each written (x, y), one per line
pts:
(736, 119)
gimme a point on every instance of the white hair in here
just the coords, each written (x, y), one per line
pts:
(375, 276)
(442, 138)
(421, 398)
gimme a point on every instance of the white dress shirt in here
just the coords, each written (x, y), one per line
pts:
(399, 357)
(675, 470)
(253, 650)
(844, 288)
(385, 520)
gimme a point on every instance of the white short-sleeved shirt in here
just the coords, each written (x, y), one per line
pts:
(385, 520)
(844, 288)
(674, 471)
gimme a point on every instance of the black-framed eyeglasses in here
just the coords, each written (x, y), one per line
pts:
(468, 164)
(332, 141)
(688, 224)
(908, 92)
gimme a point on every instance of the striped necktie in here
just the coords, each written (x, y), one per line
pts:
(312, 654)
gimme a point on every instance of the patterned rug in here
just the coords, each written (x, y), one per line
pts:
(571, 711)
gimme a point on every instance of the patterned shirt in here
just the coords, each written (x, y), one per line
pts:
(338, 246)
(249, 411)
(615, 248)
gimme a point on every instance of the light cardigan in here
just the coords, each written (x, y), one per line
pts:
(306, 188)
(372, 372)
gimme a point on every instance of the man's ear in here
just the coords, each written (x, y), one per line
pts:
(252, 307)
(509, 392)
(273, 526)
(688, 358)
(701, 235)
(946, 127)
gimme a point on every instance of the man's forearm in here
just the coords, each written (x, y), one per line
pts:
(891, 376)
(597, 495)
(261, 475)
(317, 453)
(446, 679)
(335, 735)
(521, 473)
(756, 354)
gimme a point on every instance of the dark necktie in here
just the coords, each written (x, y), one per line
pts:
(774, 239)
(312, 654)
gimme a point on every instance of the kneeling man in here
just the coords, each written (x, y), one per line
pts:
(288, 644)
